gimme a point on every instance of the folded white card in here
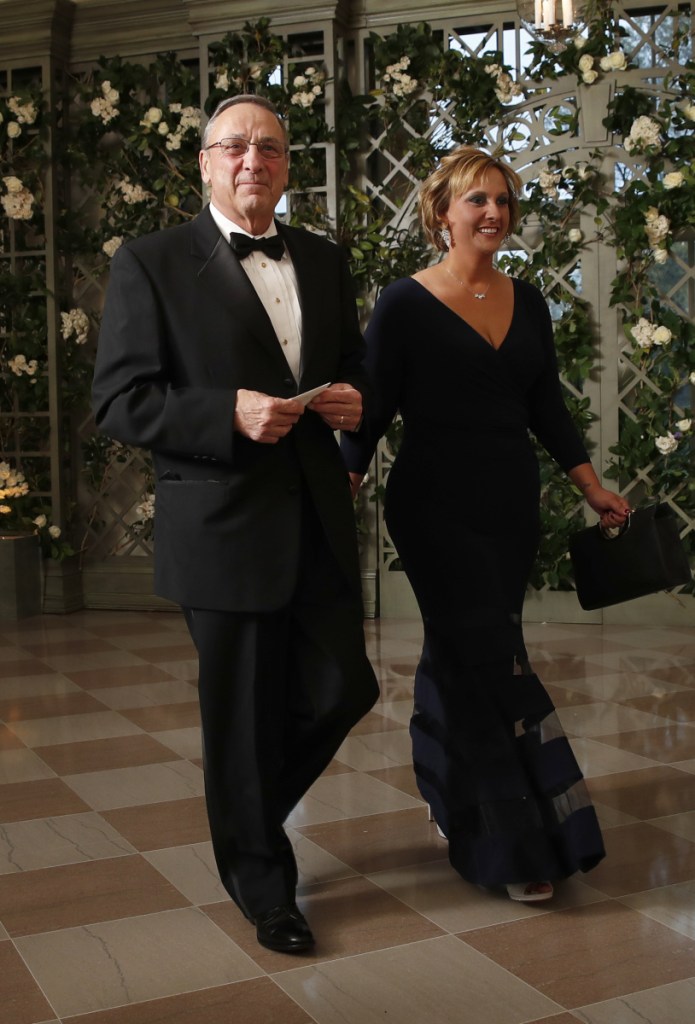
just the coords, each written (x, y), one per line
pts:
(306, 396)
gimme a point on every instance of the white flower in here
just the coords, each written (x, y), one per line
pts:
(108, 93)
(589, 77)
(660, 255)
(586, 62)
(5, 510)
(691, 378)
(661, 336)
(616, 61)
(255, 71)
(13, 184)
(131, 193)
(24, 112)
(1, 117)
(13, 130)
(310, 72)
(152, 116)
(40, 521)
(222, 80)
(75, 322)
(667, 443)
(173, 141)
(299, 82)
(584, 171)
(317, 90)
(145, 510)
(645, 132)
(111, 245)
(684, 425)
(163, 128)
(54, 532)
(18, 203)
(575, 235)
(19, 365)
(579, 42)
(175, 108)
(102, 108)
(548, 182)
(689, 112)
(656, 226)
(674, 179)
(303, 99)
(643, 333)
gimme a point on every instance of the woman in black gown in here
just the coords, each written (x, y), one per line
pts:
(466, 355)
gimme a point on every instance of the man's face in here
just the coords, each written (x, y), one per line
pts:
(245, 188)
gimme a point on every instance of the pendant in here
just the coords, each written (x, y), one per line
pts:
(479, 295)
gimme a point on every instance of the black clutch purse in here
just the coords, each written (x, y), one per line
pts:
(643, 556)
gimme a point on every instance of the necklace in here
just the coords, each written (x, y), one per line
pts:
(476, 295)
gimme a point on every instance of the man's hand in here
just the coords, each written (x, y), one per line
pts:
(340, 406)
(263, 418)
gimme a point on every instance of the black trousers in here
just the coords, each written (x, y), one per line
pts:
(279, 691)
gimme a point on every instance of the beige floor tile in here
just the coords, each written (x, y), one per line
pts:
(610, 951)
(170, 691)
(132, 960)
(124, 675)
(8, 740)
(342, 796)
(35, 686)
(380, 841)
(173, 651)
(186, 742)
(21, 801)
(112, 658)
(679, 824)
(673, 906)
(601, 718)
(315, 864)
(20, 997)
(80, 894)
(168, 716)
(258, 1001)
(53, 645)
(375, 722)
(399, 710)
(349, 917)
(103, 754)
(161, 825)
(143, 784)
(113, 626)
(146, 641)
(598, 757)
(665, 1004)
(650, 793)
(640, 857)
(669, 743)
(73, 728)
(22, 766)
(423, 981)
(47, 842)
(368, 751)
(401, 777)
(437, 892)
(22, 709)
(192, 870)
(677, 707)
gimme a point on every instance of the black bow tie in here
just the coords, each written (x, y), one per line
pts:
(242, 245)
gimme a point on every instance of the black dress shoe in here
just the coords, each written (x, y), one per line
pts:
(283, 929)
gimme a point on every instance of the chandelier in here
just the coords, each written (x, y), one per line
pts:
(553, 21)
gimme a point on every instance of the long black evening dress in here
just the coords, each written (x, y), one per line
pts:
(462, 507)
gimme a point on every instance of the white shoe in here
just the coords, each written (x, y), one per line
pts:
(530, 892)
(430, 817)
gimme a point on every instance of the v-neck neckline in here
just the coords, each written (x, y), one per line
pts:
(486, 341)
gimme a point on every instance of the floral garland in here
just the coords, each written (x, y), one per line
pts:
(132, 149)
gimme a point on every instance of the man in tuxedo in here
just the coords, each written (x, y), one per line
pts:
(210, 331)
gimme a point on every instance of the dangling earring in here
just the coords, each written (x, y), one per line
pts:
(445, 236)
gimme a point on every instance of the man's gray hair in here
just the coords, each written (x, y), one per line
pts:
(232, 101)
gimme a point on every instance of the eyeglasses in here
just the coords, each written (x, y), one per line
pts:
(269, 149)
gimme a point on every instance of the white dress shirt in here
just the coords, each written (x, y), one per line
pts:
(275, 283)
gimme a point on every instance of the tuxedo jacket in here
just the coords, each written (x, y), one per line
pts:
(182, 330)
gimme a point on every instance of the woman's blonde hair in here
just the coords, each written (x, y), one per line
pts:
(455, 175)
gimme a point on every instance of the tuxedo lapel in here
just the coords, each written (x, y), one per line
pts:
(222, 274)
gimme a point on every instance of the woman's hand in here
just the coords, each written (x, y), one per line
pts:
(611, 507)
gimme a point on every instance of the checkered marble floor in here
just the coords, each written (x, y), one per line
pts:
(111, 911)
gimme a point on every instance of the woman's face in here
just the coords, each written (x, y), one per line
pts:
(479, 218)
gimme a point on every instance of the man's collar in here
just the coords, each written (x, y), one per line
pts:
(226, 225)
